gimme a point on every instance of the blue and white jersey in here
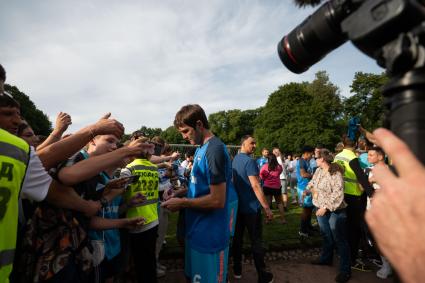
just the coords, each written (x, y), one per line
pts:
(261, 161)
(304, 164)
(207, 231)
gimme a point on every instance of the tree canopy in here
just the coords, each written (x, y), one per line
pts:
(366, 101)
(37, 119)
(299, 114)
(232, 125)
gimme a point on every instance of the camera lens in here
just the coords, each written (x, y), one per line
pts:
(315, 37)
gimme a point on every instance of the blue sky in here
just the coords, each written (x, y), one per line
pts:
(143, 60)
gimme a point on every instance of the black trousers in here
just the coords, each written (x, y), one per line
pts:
(356, 207)
(253, 223)
(143, 250)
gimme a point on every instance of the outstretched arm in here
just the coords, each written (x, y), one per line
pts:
(63, 120)
(59, 151)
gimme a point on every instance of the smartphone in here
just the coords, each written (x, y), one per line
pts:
(131, 179)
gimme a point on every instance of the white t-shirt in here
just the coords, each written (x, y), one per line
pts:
(184, 164)
(283, 174)
(37, 181)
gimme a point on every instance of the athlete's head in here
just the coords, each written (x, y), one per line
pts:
(192, 123)
(248, 144)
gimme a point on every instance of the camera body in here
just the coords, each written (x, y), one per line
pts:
(390, 31)
(369, 24)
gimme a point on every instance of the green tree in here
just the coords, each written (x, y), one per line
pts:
(151, 132)
(298, 114)
(35, 117)
(232, 125)
(366, 101)
(171, 135)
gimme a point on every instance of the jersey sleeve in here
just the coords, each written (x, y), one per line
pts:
(252, 168)
(37, 181)
(216, 158)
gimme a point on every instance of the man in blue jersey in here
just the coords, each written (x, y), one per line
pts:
(304, 175)
(251, 200)
(263, 159)
(207, 216)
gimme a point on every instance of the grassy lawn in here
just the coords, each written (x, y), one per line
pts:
(276, 236)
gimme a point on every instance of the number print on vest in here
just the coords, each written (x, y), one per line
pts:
(4, 199)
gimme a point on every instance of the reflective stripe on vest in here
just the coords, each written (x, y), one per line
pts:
(351, 185)
(147, 185)
(14, 156)
(350, 180)
(14, 152)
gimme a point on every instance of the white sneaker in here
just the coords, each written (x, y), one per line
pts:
(160, 266)
(385, 270)
(160, 273)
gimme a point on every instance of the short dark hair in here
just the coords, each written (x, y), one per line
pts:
(307, 148)
(158, 140)
(244, 138)
(190, 152)
(137, 134)
(2, 73)
(6, 100)
(378, 150)
(189, 115)
(348, 142)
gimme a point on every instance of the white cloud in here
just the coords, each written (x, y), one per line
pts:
(143, 60)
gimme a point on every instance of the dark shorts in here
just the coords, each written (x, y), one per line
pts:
(271, 191)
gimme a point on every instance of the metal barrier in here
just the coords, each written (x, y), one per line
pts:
(183, 148)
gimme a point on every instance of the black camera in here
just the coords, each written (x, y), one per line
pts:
(390, 31)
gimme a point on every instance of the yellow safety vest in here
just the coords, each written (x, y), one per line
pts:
(147, 185)
(351, 185)
(14, 157)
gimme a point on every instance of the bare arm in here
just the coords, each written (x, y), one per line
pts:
(99, 223)
(159, 159)
(57, 152)
(65, 197)
(63, 120)
(90, 167)
(216, 199)
(304, 173)
(256, 187)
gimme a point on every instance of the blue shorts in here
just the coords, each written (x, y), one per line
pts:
(206, 267)
(233, 212)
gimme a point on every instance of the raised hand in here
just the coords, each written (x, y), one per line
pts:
(396, 211)
(63, 120)
(138, 146)
(107, 126)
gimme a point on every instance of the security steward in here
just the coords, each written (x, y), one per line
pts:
(14, 157)
(143, 239)
(355, 186)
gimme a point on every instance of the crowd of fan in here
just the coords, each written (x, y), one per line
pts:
(338, 187)
(90, 206)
